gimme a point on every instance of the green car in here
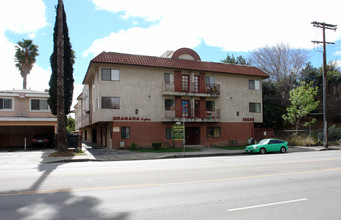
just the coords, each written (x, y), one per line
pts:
(268, 145)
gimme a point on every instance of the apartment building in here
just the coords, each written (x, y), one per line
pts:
(23, 114)
(134, 98)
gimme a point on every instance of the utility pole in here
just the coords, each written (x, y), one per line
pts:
(324, 26)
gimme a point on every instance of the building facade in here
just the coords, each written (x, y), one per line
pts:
(133, 98)
(23, 114)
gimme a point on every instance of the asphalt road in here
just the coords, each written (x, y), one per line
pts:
(272, 186)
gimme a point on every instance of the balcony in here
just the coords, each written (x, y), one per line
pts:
(192, 89)
(194, 115)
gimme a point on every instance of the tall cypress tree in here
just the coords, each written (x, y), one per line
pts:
(69, 60)
(61, 82)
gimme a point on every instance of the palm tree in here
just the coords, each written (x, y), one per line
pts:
(25, 57)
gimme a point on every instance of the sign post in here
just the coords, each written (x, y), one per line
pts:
(178, 130)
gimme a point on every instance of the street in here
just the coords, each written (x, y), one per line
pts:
(304, 185)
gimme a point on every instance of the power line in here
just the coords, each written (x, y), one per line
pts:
(324, 26)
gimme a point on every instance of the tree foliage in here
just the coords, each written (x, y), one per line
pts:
(70, 124)
(303, 102)
(281, 62)
(310, 73)
(25, 57)
(239, 60)
(273, 107)
(69, 60)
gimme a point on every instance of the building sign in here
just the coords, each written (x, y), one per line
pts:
(125, 118)
(248, 119)
(22, 95)
(116, 129)
(178, 131)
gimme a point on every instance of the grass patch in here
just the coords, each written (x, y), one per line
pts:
(232, 147)
(165, 150)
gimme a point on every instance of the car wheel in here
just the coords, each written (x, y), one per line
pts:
(262, 151)
(283, 150)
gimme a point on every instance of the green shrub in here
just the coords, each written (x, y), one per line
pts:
(165, 145)
(156, 145)
(334, 134)
(133, 145)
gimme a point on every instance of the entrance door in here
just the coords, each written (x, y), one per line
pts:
(196, 109)
(185, 109)
(94, 136)
(192, 135)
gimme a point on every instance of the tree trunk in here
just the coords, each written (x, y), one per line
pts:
(24, 80)
(61, 130)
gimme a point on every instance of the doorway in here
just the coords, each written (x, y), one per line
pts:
(94, 135)
(192, 135)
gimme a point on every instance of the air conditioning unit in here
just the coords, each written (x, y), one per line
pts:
(122, 144)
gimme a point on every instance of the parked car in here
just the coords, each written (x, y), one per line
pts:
(43, 140)
(268, 145)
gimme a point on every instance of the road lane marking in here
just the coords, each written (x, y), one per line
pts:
(161, 184)
(265, 205)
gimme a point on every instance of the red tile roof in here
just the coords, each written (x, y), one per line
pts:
(176, 63)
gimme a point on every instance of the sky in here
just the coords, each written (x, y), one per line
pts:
(212, 28)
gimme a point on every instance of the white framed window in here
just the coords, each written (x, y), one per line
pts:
(254, 107)
(210, 106)
(39, 105)
(110, 74)
(110, 103)
(254, 84)
(125, 132)
(169, 104)
(169, 78)
(6, 104)
(210, 80)
(213, 132)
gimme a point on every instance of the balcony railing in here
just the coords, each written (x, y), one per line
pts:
(194, 114)
(213, 89)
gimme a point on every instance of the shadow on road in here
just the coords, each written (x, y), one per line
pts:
(37, 203)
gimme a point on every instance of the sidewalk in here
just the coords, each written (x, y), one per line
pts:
(97, 153)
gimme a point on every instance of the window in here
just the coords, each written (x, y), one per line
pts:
(169, 104)
(185, 82)
(210, 106)
(254, 107)
(39, 104)
(210, 80)
(213, 132)
(254, 84)
(110, 75)
(6, 104)
(196, 84)
(125, 132)
(169, 134)
(110, 103)
(169, 78)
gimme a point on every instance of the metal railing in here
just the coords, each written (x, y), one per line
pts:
(213, 89)
(194, 113)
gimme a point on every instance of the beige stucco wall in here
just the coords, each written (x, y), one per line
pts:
(21, 108)
(235, 96)
(141, 88)
(138, 88)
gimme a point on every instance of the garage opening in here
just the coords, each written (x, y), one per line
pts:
(14, 136)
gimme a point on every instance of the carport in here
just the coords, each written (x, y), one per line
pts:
(14, 133)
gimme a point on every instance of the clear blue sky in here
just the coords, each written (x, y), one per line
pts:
(212, 28)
